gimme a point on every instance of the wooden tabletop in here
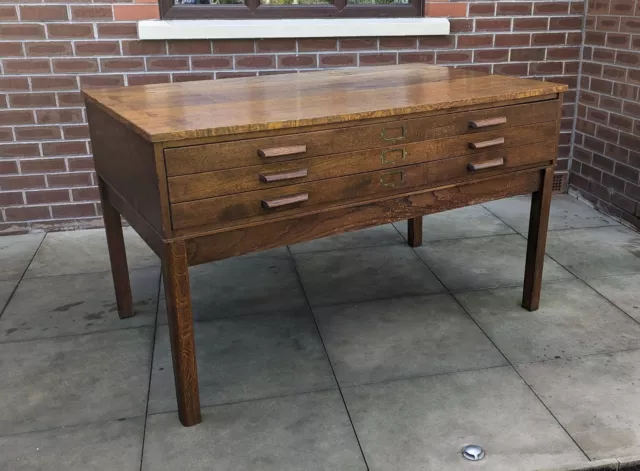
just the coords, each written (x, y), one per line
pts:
(231, 106)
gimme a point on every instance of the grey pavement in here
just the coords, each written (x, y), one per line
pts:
(352, 352)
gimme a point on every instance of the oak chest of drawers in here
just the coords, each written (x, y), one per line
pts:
(209, 170)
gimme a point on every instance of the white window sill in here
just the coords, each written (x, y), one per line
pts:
(291, 28)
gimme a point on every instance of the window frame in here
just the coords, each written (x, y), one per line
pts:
(252, 9)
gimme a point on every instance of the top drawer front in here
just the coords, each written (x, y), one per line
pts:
(244, 153)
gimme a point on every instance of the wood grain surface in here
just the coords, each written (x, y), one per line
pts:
(186, 110)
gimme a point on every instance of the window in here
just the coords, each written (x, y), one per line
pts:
(255, 9)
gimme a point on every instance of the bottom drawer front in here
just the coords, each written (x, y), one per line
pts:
(265, 204)
(489, 163)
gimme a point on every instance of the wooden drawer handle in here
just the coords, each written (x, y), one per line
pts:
(485, 123)
(486, 164)
(278, 177)
(484, 144)
(282, 151)
(285, 200)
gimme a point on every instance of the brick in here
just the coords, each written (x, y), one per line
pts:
(97, 48)
(71, 31)
(599, 191)
(603, 163)
(27, 213)
(607, 134)
(93, 12)
(9, 117)
(42, 165)
(73, 210)
(591, 68)
(124, 64)
(8, 166)
(76, 132)
(27, 66)
(68, 180)
(298, 61)
(626, 172)
(117, 30)
(621, 122)
(10, 198)
(6, 135)
(491, 55)
(530, 24)
(49, 49)
(632, 109)
(613, 182)
(547, 39)
(22, 182)
(234, 46)
(358, 43)
(54, 83)
(378, 59)
(317, 44)
(601, 86)
(633, 76)
(37, 133)
(43, 13)
(608, 23)
(512, 69)
(563, 53)
(77, 164)
(32, 100)
(255, 62)
(8, 13)
(565, 22)
(445, 9)
(436, 42)
(10, 84)
(514, 8)
(400, 42)
(85, 194)
(8, 49)
(527, 54)
(511, 39)
(192, 76)
(59, 116)
(460, 25)
(630, 59)
(145, 79)
(595, 38)
(630, 25)
(21, 31)
(604, 55)
(478, 40)
(594, 144)
(69, 66)
(47, 196)
(276, 45)
(630, 141)
(197, 46)
(612, 104)
(546, 68)
(135, 12)
(451, 57)
(87, 81)
(618, 40)
(338, 60)
(64, 148)
(614, 73)
(212, 62)
(70, 99)
(167, 63)
(19, 150)
(498, 24)
(591, 173)
(482, 9)
(416, 57)
(551, 8)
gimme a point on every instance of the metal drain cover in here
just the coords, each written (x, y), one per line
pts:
(473, 452)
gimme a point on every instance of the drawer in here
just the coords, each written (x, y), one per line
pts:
(489, 163)
(249, 152)
(274, 202)
(223, 182)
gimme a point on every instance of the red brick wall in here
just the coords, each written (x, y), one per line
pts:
(606, 165)
(50, 50)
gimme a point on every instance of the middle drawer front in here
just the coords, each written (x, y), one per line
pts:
(225, 182)
(225, 211)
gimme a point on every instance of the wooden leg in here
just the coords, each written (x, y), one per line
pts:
(415, 231)
(183, 350)
(538, 224)
(117, 254)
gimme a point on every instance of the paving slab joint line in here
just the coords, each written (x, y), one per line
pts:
(631, 463)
